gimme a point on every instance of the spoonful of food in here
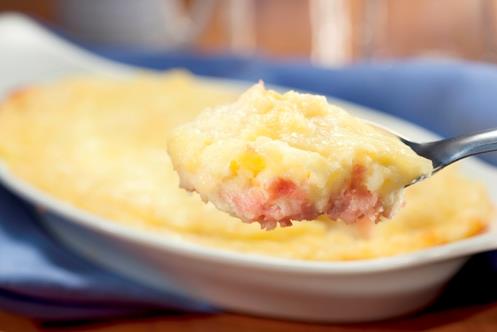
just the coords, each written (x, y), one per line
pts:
(277, 158)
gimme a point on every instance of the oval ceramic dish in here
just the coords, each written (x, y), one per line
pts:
(317, 291)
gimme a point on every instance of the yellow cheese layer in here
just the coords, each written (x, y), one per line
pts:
(99, 144)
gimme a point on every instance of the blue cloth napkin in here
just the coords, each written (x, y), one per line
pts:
(41, 278)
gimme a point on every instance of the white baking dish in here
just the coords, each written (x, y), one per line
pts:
(318, 291)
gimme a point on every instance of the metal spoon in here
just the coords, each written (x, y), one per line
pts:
(444, 152)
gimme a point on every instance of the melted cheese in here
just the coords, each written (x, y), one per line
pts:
(100, 145)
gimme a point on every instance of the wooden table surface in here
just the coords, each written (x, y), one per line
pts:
(473, 319)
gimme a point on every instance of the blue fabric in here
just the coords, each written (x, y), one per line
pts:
(42, 279)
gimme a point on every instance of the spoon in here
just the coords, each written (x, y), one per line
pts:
(444, 152)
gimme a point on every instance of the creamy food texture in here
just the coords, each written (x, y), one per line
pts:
(99, 144)
(271, 157)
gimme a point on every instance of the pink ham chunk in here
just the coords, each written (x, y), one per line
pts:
(283, 201)
(356, 202)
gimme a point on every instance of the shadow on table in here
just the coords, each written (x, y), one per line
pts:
(238, 323)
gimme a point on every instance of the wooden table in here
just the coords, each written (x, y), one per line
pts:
(474, 319)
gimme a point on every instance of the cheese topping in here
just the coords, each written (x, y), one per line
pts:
(99, 144)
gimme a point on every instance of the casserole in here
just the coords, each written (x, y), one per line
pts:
(276, 287)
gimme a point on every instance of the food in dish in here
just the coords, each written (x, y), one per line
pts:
(274, 158)
(99, 144)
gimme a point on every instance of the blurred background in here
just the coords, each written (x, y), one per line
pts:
(327, 32)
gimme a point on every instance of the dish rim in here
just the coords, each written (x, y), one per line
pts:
(70, 213)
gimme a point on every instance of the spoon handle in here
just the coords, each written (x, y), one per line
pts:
(447, 151)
